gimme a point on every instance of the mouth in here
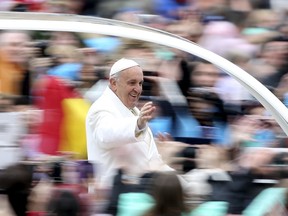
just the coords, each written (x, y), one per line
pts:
(134, 96)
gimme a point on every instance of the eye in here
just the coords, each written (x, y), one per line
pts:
(132, 83)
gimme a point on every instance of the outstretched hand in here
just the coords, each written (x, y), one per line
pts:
(146, 114)
(163, 137)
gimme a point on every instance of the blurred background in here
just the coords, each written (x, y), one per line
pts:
(219, 132)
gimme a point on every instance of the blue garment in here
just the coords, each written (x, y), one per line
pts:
(69, 71)
(263, 138)
(188, 126)
(222, 134)
(167, 8)
(103, 44)
(161, 125)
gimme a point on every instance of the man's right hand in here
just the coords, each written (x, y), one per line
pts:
(145, 115)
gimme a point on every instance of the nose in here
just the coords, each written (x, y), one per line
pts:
(138, 88)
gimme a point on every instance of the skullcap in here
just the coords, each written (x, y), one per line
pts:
(121, 65)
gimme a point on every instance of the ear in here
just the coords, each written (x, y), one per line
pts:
(113, 84)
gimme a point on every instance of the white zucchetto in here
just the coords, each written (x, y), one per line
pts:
(121, 65)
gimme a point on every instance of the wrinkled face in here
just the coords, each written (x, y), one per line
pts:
(14, 46)
(128, 86)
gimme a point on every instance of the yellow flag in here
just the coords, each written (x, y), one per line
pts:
(73, 134)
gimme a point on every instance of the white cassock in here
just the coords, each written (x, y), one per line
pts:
(112, 143)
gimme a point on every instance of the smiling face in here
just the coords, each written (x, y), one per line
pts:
(128, 86)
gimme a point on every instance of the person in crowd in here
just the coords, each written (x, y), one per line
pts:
(240, 188)
(30, 139)
(14, 55)
(271, 64)
(211, 119)
(205, 116)
(117, 132)
(266, 132)
(65, 203)
(230, 90)
(222, 36)
(168, 194)
(49, 94)
(15, 182)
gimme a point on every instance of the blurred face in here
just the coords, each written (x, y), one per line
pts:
(13, 45)
(128, 86)
(75, 6)
(275, 52)
(64, 38)
(201, 109)
(207, 4)
(204, 75)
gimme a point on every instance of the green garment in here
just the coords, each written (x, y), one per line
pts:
(137, 204)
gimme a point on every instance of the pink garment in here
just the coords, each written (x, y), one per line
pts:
(222, 37)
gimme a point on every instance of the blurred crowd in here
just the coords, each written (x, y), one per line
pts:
(49, 79)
